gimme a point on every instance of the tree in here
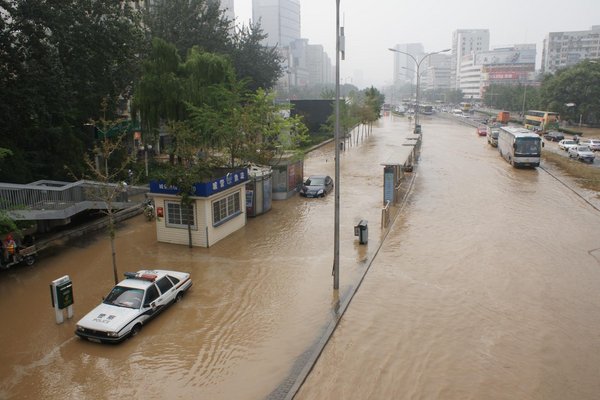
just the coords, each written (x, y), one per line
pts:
(189, 23)
(260, 65)
(57, 63)
(187, 170)
(200, 23)
(574, 92)
(107, 167)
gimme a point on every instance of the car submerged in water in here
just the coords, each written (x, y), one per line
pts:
(582, 153)
(316, 186)
(131, 303)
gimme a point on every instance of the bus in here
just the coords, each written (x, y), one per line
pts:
(519, 146)
(427, 110)
(465, 107)
(540, 121)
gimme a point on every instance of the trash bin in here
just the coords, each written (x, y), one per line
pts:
(362, 231)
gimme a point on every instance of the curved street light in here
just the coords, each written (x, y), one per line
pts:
(418, 64)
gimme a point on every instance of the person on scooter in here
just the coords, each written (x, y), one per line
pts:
(10, 247)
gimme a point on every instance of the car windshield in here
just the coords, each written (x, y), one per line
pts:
(123, 296)
(569, 142)
(315, 182)
(583, 148)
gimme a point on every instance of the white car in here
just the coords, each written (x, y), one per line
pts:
(134, 301)
(565, 144)
(582, 153)
(593, 144)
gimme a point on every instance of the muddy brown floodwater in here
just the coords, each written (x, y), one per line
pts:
(261, 298)
(486, 287)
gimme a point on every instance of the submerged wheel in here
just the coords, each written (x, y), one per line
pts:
(178, 297)
(29, 260)
(135, 330)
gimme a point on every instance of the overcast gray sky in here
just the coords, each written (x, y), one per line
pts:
(372, 26)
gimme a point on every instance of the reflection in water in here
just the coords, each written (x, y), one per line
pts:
(488, 289)
(485, 288)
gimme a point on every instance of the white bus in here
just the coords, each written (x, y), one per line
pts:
(519, 146)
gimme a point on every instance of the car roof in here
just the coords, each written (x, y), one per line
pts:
(146, 277)
(317, 176)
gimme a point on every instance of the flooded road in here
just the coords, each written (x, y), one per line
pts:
(487, 287)
(260, 300)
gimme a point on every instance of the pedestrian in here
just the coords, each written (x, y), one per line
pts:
(10, 247)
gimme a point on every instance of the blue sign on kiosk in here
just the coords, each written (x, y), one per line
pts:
(204, 189)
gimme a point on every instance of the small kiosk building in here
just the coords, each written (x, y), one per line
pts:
(218, 209)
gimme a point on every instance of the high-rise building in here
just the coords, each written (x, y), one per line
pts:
(437, 72)
(464, 42)
(514, 65)
(562, 49)
(405, 68)
(279, 19)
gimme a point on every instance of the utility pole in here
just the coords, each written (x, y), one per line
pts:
(336, 229)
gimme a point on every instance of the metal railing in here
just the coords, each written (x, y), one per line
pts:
(56, 195)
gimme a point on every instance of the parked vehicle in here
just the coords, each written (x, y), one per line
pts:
(593, 144)
(132, 303)
(482, 130)
(492, 136)
(565, 144)
(13, 252)
(582, 153)
(519, 146)
(554, 136)
(316, 186)
(22, 255)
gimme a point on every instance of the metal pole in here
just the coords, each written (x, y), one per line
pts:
(418, 64)
(336, 230)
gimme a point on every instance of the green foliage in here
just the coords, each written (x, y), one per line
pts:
(574, 92)
(257, 65)
(57, 63)
(189, 23)
(7, 224)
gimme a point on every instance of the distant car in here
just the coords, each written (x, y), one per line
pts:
(492, 136)
(582, 153)
(482, 130)
(554, 136)
(593, 144)
(131, 303)
(565, 144)
(316, 186)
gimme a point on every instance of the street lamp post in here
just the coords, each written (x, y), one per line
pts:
(418, 64)
(417, 87)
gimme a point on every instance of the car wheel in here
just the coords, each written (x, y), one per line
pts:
(136, 329)
(29, 260)
(178, 297)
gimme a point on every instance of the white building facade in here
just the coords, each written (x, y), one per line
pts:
(563, 49)
(465, 42)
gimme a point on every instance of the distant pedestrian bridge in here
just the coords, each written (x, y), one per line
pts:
(56, 200)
